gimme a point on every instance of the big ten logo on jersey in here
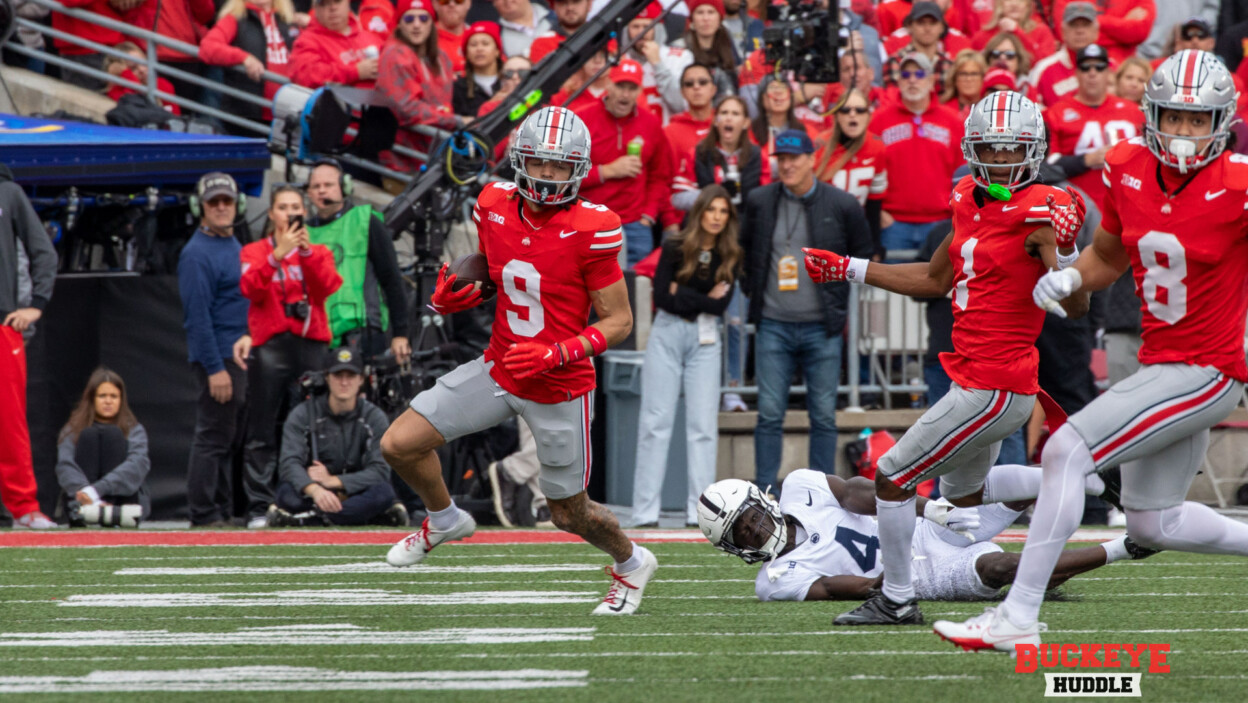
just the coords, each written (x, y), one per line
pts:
(495, 217)
(1131, 181)
(1095, 136)
(855, 181)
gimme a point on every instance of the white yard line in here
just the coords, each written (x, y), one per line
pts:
(298, 635)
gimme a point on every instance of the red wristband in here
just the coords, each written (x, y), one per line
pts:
(597, 342)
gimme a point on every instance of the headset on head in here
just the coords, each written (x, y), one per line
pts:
(345, 182)
(196, 204)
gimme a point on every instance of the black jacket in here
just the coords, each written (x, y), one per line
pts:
(250, 38)
(349, 445)
(836, 222)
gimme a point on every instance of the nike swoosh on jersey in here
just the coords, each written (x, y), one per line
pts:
(565, 235)
(1211, 196)
(810, 500)
(1007, 208)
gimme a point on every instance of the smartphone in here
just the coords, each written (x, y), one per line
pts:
(296, 221)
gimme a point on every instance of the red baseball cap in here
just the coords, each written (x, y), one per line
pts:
(1000, 77)
(484, 27)
(426, 5)
(627, 71)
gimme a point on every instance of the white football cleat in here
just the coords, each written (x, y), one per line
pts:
(413, 548)
(626, 589)
(35, 521)
(992, 630)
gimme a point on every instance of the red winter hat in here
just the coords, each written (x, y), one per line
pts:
(1000, 77)
(483, 27)
(426, 5)
(717, 5)
(653, 10)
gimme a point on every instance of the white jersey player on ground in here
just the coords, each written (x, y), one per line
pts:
(821, 542)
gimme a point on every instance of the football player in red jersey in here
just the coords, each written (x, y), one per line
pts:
(552, 257)
(997, 249)
(1174, 212)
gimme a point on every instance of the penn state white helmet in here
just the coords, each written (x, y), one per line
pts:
(725, 502)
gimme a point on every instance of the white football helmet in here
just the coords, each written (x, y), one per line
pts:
(554, 133)
(1006, 120)
(1196, 81)
(724, 502)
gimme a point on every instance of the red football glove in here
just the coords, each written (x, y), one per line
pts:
(445, 300)
(530, 359)
(1067, 219)
(825, 266)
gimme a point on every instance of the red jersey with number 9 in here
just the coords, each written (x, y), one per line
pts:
(545, 267)
(995, 321)
(1189, 255)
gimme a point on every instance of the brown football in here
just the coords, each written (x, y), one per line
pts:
(473, 268)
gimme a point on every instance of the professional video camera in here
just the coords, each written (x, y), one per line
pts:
(804, 38)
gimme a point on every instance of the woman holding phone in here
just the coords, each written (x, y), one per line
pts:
(287, 279)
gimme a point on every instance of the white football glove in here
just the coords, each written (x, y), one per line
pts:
(1055, 286)
(963, 521)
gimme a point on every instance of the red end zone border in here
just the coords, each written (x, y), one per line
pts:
(259, 538)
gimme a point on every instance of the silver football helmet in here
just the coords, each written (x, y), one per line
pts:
(725, 502)
(1196, 81)
(1006, 120)
(554, 133)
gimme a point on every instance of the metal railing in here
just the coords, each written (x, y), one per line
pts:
(155, 68)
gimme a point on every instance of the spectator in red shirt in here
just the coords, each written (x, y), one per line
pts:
(483, 62)
(964, 85)
(852, 159)
(1054, 76)
(928, 33)
(709, 43)
(333, 49)
(1131, 78)
(1018, 17)
(726, 156)
(85, 29)
(451, 28)
(688, 128)
(632, 161)
(184, 20)
(891, 15)
(1124, 24)
(571, 15)
(1085, 124)
(287, 279)
(923, 147)
(258, 35)
(135, 70)
(416, 75)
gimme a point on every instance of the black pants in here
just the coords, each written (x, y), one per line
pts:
(218, 438)
(274, 368)
(359, 509)
(100, 449)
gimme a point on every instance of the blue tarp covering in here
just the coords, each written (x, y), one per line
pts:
(58, 153)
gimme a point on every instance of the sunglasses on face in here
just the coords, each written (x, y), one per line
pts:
(1002, 55)
(853, 111)
(520, 73)
(1098, 67)
(423, 19)
(448, 2)
(917, 74)
(697, 82)
(1195, 34)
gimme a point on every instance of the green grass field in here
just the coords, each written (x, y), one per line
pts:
(511, 622)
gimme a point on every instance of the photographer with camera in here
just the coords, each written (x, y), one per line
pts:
(102, 457)
(331, 470)
(287, 279)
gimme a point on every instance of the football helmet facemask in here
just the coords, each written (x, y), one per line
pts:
(725, 502)
(1004, 120)
(1196, 81)
(557, 134)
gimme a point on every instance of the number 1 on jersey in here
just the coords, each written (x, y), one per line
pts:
(529, 298)
(961, 294)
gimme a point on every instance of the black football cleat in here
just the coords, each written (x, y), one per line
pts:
(879, 610)
(1113, 487)
(1136, 551)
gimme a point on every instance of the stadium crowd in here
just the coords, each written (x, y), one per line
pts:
(694, 136)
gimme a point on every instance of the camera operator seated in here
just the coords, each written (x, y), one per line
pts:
(331, 470)
(102, 457)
